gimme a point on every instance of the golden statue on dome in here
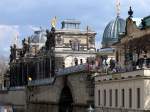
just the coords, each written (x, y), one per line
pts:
(53, 22)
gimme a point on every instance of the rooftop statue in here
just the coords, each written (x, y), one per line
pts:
(50, 42)
(53, 22)
(26, 46)
(13, 52)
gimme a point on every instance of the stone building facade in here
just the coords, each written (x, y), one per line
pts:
(53, 69)
(44, 52)
(73, 45)
(126, 87)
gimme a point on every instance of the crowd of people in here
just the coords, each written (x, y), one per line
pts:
(107, 65)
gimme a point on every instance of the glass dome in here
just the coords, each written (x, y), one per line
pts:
(112, 30)
(39, 37)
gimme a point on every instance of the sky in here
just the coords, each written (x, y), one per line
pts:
(18, 17)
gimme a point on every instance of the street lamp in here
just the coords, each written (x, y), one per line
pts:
(29, 78)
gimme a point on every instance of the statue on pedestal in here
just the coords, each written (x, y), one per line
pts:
(50, 43)
(26, 47)
(12, 52)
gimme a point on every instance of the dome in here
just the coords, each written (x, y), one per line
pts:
(39, 37)
(112, 30)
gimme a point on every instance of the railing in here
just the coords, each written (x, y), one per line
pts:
(120, 69)
(82, 68)
(17, 88)
(73, 69)
(41, 82)
(60, 72)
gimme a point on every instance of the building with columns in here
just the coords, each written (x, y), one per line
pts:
(69, 46)
(50, 72)
(73, 45)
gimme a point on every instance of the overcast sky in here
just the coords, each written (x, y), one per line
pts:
(19, 16)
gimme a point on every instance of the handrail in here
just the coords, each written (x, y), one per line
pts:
(72, 69)
(61, 72)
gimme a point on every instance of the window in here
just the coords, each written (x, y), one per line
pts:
(99, 97)
(104, 97)
(116, 97)
(130, 98)
(123, 98)
(138, 98)
(75, 44)
(110, 97)
(81, 62)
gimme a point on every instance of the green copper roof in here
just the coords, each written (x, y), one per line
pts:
(146, 21)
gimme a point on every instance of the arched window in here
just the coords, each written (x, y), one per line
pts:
(76, 61)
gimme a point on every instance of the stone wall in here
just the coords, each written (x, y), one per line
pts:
(14, 97)
(46, 98)
(106, 109)
(120, 85)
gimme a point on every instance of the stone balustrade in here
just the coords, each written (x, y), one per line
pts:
(107, 109)
(125, 75)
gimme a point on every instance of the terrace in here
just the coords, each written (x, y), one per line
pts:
(59, 73)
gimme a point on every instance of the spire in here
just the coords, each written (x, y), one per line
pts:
(118, 7)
